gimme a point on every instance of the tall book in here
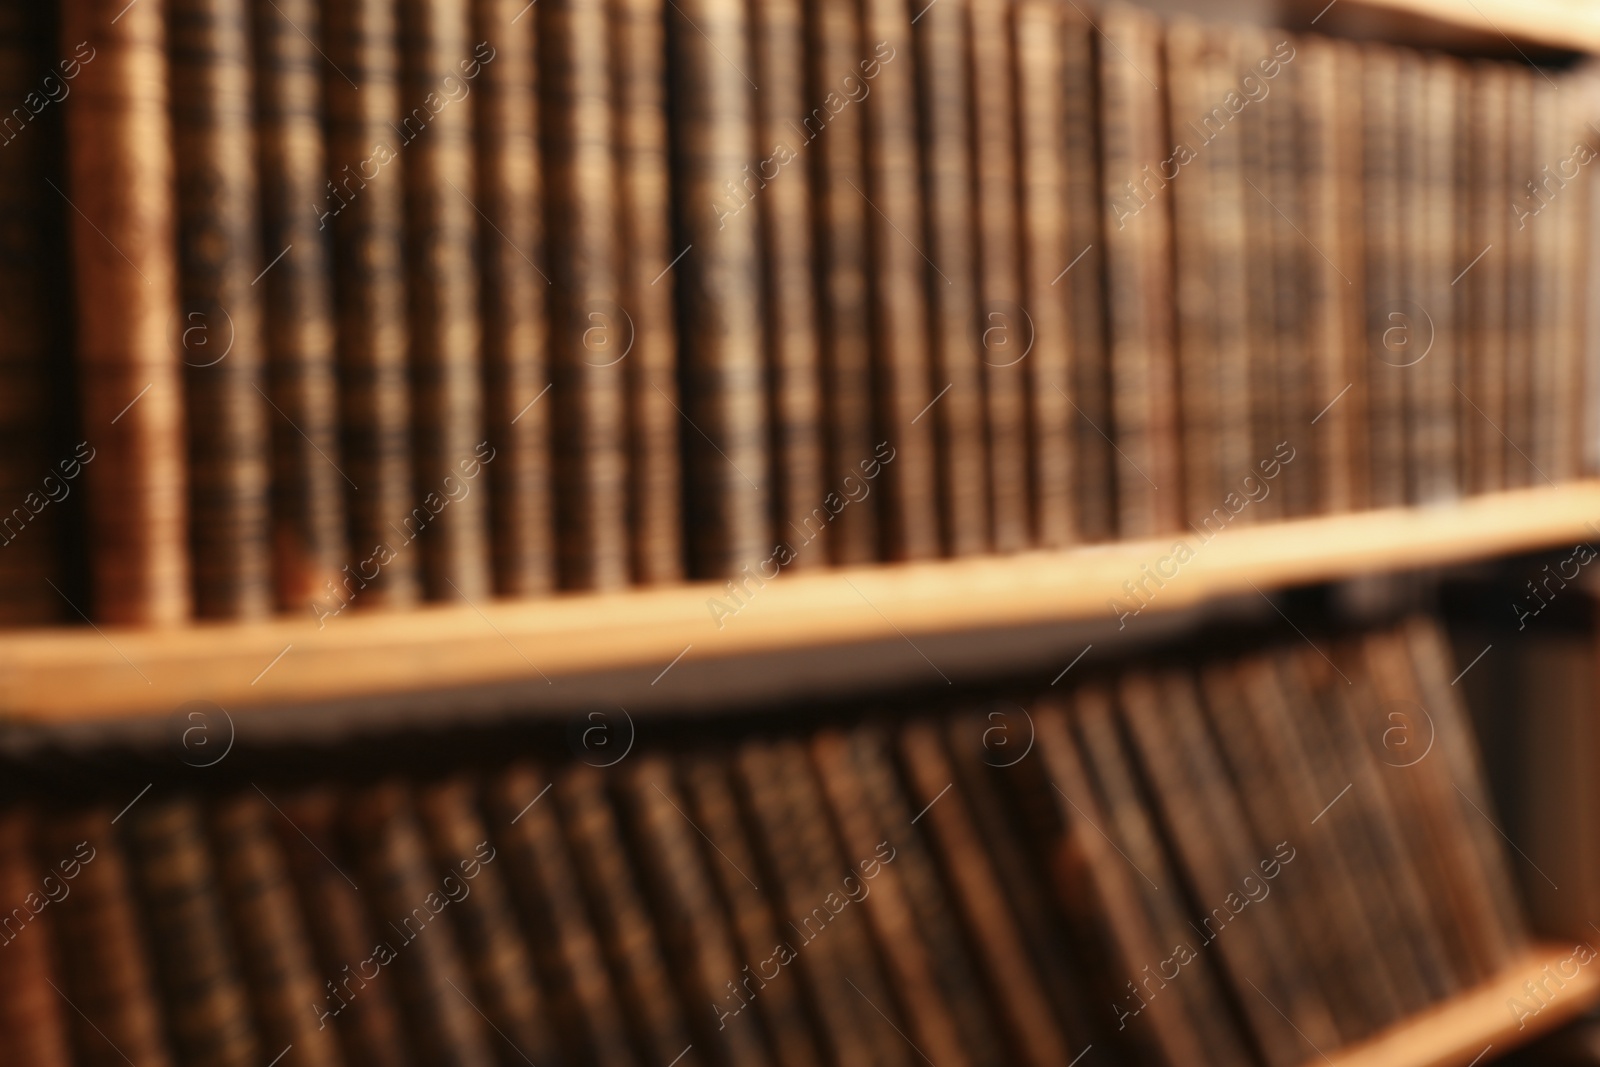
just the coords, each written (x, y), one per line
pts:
(34, 288)
(365, 208)
(220, 334)
(308, 483)
(834, 127)
(207, 1006)
(655, 482)
(1283, 188)
(120, 187)
(1391, 324)
(436, 135)
(515, 291)
(1138, 270)
(944, 95)
(1043, 165)
(1524, 156)
(908, 506)
(1004, 326)
(723, 373)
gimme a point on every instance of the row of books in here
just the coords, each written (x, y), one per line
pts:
(1247, 857)
(386, 301)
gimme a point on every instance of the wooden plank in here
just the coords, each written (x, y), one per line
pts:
(1461, 1030)
(78, 674)
(1570, 25)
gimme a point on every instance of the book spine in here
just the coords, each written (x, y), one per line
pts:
(590, 328)
(435, 131)
(308, 482)
(364, 206)
(221, 339)
(1390, 324)
(655, 480)
(784, 157)
(33, 1024)
(120, 186)
(515, 291)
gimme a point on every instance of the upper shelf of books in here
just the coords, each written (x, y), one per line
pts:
(116, 672)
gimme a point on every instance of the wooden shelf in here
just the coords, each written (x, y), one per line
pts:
(82, 674)
(1564, 25)
(1461, 1030)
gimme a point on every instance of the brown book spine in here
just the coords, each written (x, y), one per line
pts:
(1138, 269)
(906, 959)
(33, 1019)
(1572, 224)
(781, 1005)
(1295, 267)
(632, 946)
(35, 478)
(516, 301)
(655, 482)
(1260, 241)
(220, 335)
(836, 137)
(720, 288)
(1391, 323)
(105, 970)
(695, 928)
(364, 206)
(275, 953)
(992, 928)
(1003, 324)
(407, 896)
(506, 990)
(1348, 166)
(544, 888)
(589, 329)
(1085, 282)
(1043, 164)
(909, 507)
(435, 131)
(784, 155)
(308, 486)
(120, 186)
(207, 1006)
(944, 94)
(1523, 162)
(358, 1007)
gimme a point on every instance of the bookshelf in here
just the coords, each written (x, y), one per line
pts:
(1459, 1031)
(84, 674)
(1559, 24)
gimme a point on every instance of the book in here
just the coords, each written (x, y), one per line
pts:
(33, 1016)
(727, 463)
(120, 188)
(220, 338)
(364, 208)
(644, 223)
(515, 287)
(308, 517)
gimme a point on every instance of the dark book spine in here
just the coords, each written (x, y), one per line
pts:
(644, 192)
(1002, 320)
(37, 466)
(901, 370)
(450, 516)
(308, 484)
(944, 94)
(33, 1018)
(1390, 323)
(207, 1006)
(220, 334)
(364, 205)
(120, 186)
(784, 157)
(719, 287)
(1044, 338)
(516, 300)
(589, 328)
(835, 136)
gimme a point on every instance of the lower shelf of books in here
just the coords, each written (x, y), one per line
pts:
(1549, 987)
